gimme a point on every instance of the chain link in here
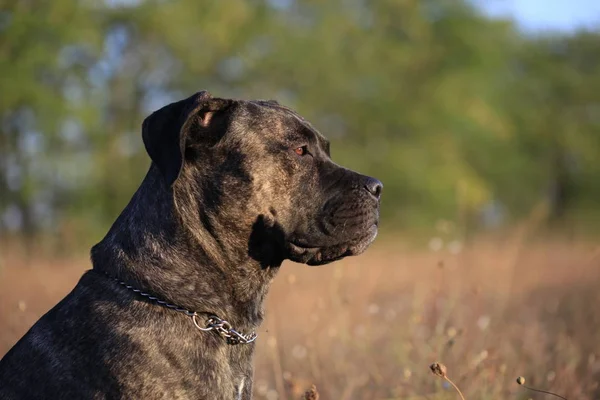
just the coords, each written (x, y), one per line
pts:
(213, 323)
(225, 330)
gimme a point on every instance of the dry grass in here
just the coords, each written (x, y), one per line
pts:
(368, 327)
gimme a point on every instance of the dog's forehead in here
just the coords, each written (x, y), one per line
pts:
(283, 121)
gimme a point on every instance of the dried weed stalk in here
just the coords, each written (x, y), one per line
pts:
(439, 369)
(521, 381)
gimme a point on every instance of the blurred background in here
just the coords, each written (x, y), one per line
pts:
(482, 119)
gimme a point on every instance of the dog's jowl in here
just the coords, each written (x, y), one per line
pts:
(170, 307)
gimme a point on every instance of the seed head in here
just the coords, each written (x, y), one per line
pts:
(521, 381)
(312, 393)
(438, 369)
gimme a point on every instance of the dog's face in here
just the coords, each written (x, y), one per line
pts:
(256, 171)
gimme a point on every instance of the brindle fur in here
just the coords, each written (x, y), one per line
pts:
(225, 201)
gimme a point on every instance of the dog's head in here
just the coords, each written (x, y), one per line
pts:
(257, 173)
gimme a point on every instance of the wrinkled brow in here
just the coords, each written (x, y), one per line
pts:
(323, 143)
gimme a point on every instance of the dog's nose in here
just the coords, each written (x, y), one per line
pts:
(374, 187)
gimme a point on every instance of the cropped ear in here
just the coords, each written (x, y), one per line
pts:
(165, 131)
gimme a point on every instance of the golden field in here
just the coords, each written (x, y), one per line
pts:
(368, 327)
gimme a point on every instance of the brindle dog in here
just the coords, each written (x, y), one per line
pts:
(234, 188)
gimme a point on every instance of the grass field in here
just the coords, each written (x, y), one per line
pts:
(368, 327)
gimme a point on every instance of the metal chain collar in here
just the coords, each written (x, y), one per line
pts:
(225, 329)
(213, 323)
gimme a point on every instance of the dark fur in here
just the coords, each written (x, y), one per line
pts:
(225, 201)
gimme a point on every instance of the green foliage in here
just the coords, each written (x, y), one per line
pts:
(455, 112)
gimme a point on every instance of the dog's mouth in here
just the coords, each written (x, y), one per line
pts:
(312, 254)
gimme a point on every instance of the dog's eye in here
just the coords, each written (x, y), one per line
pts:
(301, 151)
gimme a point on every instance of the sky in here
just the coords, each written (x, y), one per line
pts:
(536, 15)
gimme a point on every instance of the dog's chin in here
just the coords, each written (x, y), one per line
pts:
(313, 254)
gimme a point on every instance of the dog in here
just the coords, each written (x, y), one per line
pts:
(176, 291)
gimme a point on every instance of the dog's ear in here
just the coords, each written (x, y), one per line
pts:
(166, 131)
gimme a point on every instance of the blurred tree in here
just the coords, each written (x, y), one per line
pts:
(455, 112)
(556, 111)
(43, 66)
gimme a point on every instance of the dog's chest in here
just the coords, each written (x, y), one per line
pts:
(240, 389)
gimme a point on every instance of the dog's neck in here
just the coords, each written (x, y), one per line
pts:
(150, 248)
